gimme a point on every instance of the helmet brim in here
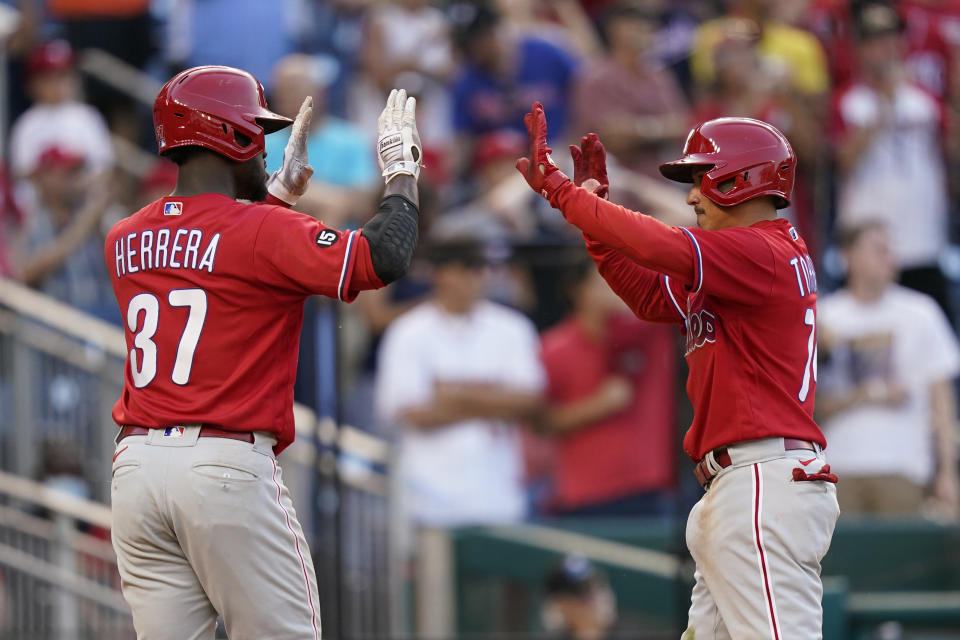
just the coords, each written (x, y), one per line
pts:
(270, 121)
(682, 170)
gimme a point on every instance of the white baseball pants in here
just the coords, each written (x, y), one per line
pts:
(758, 536)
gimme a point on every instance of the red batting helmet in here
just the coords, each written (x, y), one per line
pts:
(207, 106)
(755, 155)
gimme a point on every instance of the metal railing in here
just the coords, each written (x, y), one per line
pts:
(61, 371)
(58, 572)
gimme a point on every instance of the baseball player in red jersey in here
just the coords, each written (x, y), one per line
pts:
(211, 290)
(743, 288)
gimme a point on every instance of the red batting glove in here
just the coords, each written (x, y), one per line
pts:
(539, 170)
(590, 161)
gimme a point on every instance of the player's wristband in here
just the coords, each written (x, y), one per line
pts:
(405, 167)
(276, 188)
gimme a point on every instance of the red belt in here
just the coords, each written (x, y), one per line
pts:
(722, 457)
(205, 432)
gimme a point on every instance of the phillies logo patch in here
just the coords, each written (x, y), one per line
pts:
(327, 238)
(172, 208)
(701, 329)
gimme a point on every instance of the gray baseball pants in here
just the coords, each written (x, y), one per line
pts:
(205, 526)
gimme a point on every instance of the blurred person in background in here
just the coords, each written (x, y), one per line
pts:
(61, 248)
(457, 376)
(627, 97)
(578, 602)
(408, 45)
(501, 208)
(563, 22)
(745, 84)
(247, 34)
(891, 156)
(11, 223)
(886, 398)
(58, 117)
(122, 28)
(160, 180)
(336, 31)
(502, 71)
(613, 412)
(345, 175)
(794, 52)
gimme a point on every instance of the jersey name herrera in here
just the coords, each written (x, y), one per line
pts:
(165, 249)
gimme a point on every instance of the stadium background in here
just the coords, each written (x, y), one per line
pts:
(791, 62)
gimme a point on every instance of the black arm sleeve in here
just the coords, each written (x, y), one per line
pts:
(392, 234)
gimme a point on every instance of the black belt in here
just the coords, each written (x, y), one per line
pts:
(722, 457)
(205, 432)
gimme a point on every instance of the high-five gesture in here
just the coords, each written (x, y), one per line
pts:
(398, 141)
(290, 181)
(540, 171)
(590, 164)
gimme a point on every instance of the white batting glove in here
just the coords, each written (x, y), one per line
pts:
(398, 141)
(290, 181)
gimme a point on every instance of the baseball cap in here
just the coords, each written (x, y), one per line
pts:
(49, 57)
(58, 157)
(498, 145)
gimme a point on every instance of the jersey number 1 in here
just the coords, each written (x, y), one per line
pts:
(196, 300)
(809, 319)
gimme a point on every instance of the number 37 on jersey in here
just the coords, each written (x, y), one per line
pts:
(143, 312)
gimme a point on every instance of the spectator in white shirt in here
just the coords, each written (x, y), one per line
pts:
(886, 399)
(891, 154)
(57, 117)
(457, 375)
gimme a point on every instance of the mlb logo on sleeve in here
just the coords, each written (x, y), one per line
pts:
(172, 208)
(173, 432)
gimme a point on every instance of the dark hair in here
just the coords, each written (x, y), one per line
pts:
(850, 235)
(471, 21)
(463, 250)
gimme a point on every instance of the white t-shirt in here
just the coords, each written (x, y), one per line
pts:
(470, 472)
(71, 126)
(900, 177)
(904, 337)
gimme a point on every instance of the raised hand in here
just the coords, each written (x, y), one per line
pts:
(590, 164)
(539, 170)
(398, 141)
(291, 180)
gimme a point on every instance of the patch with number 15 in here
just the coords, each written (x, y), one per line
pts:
(327, 238)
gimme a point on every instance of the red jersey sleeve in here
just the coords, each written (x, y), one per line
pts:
(296, 253)
(645, 291)
(644, 239)
(733, 264)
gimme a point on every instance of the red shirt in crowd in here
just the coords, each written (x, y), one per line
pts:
(211, 292)
(631, 451)
(746, 298)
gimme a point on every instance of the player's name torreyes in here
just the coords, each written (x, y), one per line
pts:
(165, 249)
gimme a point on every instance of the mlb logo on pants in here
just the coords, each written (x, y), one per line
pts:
(173, 432)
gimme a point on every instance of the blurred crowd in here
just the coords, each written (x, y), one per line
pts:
(513, 383)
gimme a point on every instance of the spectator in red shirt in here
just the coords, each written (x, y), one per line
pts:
(613, 412)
